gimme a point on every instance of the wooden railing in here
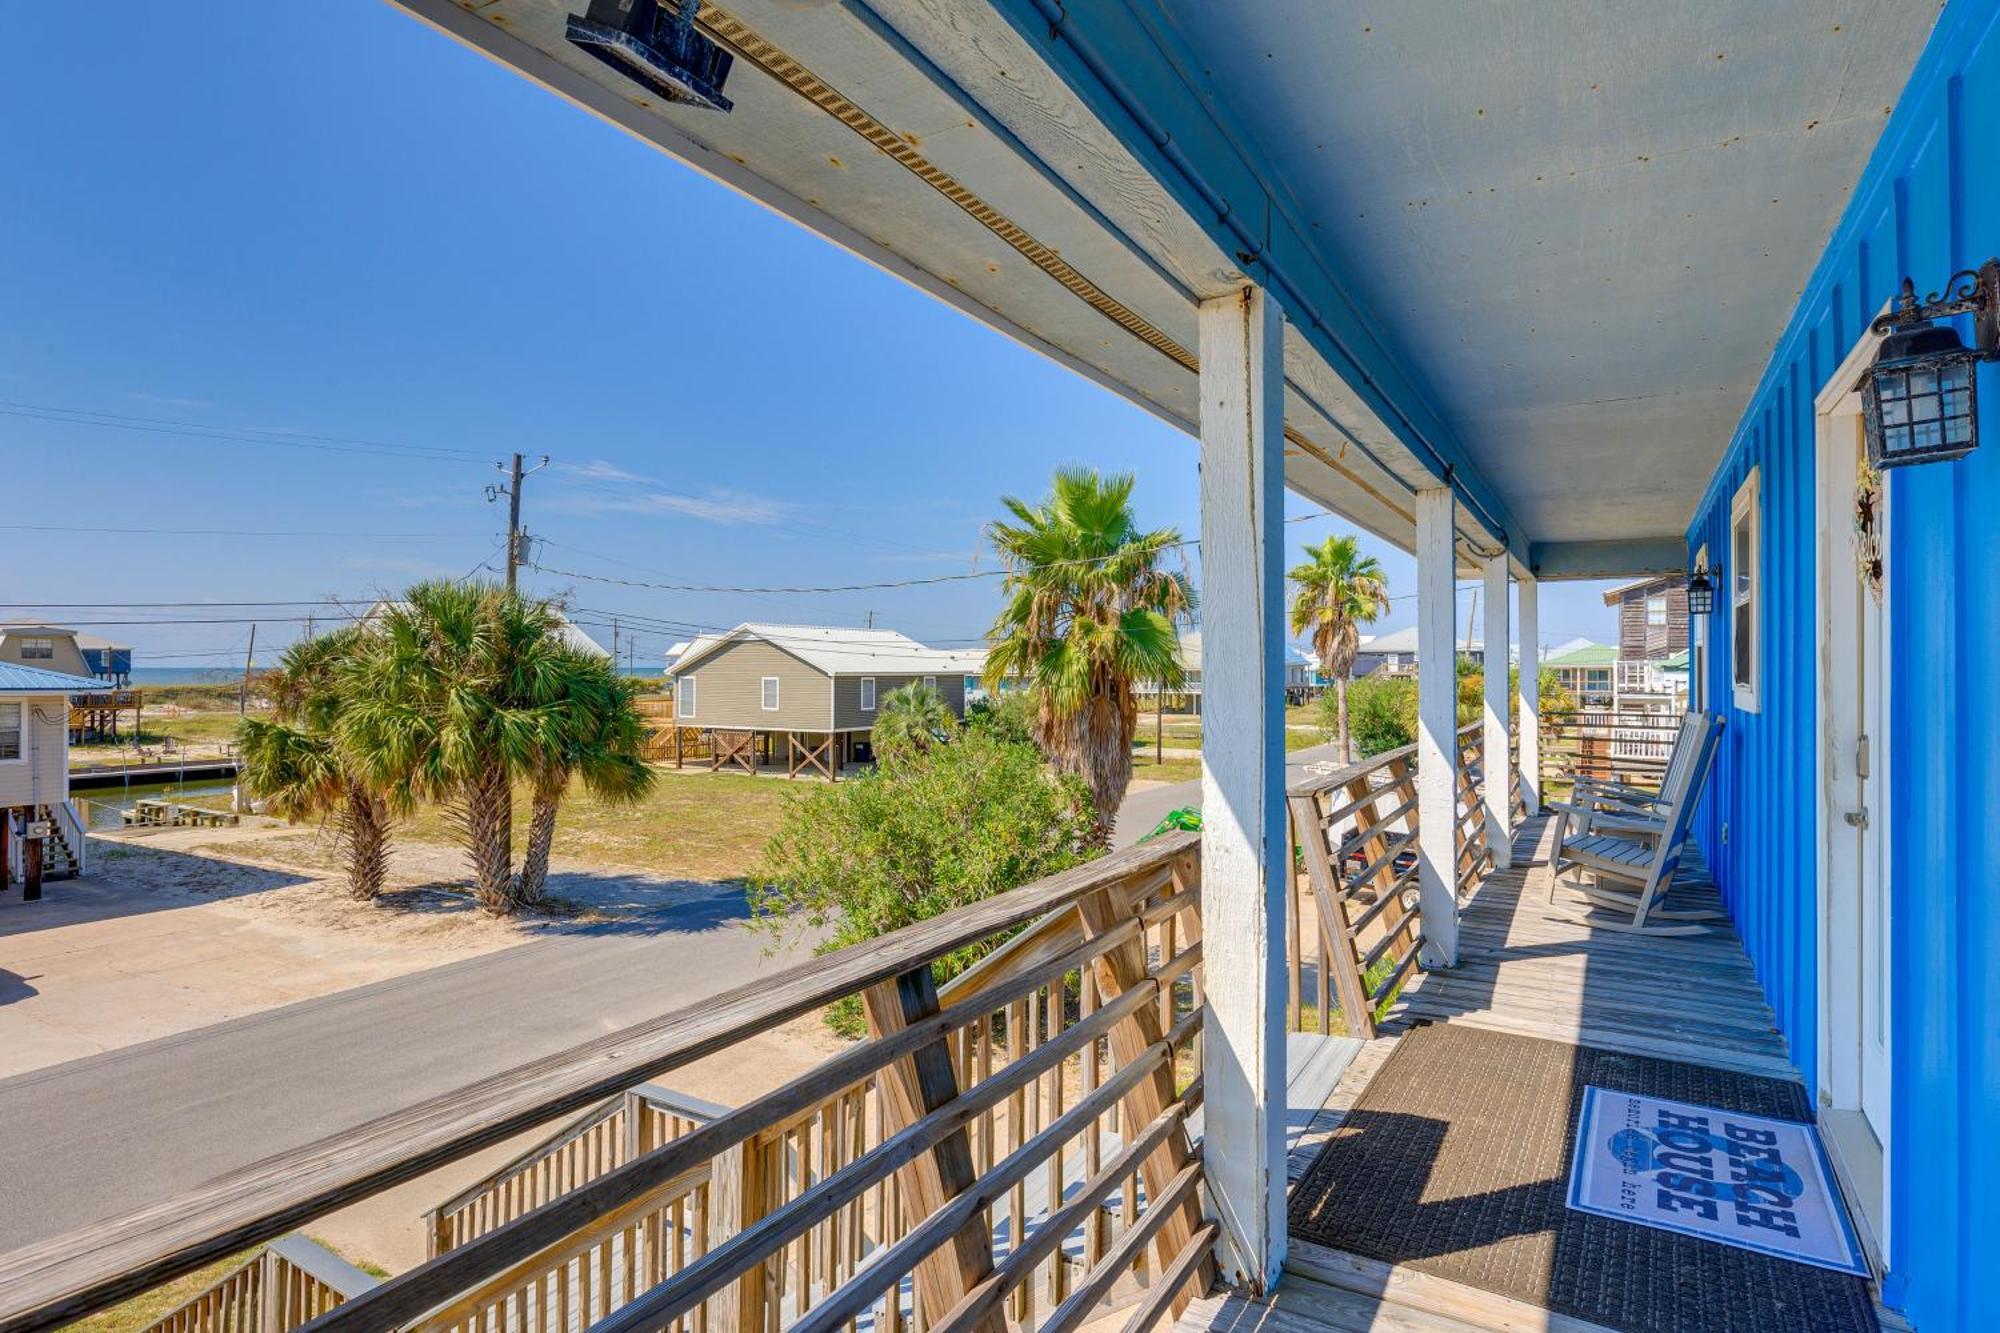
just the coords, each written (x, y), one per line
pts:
(287, 1283)
(1009, 1149)
(603, 1138)
(1356, 901)
(1611, 745)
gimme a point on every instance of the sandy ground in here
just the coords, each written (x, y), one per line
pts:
(165, 934)
(388, 1228)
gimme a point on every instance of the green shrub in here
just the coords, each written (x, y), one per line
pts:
(1008, 717)
(1381, 713)
(938, 830)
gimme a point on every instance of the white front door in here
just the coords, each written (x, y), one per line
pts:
(1858, 985)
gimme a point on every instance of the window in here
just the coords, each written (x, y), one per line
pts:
(38, 650)
(1656, 611)
(684, 696)
(1745, 577)
(930, 682)
(868, 694)
(10, 731)
(770, 694)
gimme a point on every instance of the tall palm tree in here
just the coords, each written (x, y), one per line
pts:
(602, 744)
(1089, 612)
(910, 721)
(1339, 590)
(453, 701)
(293, 760)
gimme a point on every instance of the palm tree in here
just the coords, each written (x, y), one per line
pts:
(1339, 590)
(453, 700)
(910, 721)
(602, 744)
(1088, 613)
(293, 761)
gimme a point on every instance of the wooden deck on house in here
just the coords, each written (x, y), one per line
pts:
(1533, 969)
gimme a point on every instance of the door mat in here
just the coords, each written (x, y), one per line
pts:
(1455, 1161)
(1744, 1180)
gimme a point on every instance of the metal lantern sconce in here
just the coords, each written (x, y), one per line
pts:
(661, 52)
(1920, 399)
(1701, 591)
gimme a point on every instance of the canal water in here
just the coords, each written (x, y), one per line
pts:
(104, 807)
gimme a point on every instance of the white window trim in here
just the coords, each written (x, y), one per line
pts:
(930, 683)
(38, 648)
(768, 693)
(25, 715)
(684, 697)
(1745, 507)
(868, 694)
(1698, 632)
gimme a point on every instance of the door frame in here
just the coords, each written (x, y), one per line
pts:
(1831, 552)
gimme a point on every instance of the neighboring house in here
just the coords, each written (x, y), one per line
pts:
(1588, 672)
(1652, 624)
(811, 688)
(104, 667)
(40, 834)
(1395, 653)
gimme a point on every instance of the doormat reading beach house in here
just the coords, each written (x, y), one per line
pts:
(1744, 1180)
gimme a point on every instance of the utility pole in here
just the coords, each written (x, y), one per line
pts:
(243, 690)
(614, 643)
(516, 539)
(871, 620)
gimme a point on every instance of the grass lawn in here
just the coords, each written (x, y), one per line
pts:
(706, 826)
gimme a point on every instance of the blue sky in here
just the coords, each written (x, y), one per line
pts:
(327, 225)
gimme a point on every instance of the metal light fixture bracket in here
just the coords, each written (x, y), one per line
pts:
(1974, 292)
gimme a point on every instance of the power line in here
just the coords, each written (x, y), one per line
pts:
(233, 532)
(75, 416)
(328, 599)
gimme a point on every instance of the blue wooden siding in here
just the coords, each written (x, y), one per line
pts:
(1928, 204)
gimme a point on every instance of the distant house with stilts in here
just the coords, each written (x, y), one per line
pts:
(41, 836)
(808, 691)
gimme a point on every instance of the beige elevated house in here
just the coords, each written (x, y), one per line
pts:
(811, 689)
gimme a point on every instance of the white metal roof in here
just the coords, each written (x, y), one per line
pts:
(835, 650)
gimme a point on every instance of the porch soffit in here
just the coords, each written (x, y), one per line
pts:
(1584, 224)
(1091, 261)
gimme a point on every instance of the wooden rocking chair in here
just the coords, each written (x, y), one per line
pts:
(1625, 846)
(1612, 797)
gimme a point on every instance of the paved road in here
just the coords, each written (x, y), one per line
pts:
(1143, 810)
(107, 1133)
(101, 1135)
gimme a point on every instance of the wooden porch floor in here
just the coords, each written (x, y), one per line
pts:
(1537, 970)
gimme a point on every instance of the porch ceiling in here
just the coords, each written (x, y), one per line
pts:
(1539, 247)
(1582, 224)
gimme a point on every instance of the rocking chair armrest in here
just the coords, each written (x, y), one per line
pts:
(1604, 822)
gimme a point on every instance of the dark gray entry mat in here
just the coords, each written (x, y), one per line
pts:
(1455, 1162)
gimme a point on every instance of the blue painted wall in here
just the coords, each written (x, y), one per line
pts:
(1928, 204)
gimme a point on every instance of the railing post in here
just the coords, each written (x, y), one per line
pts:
(739, 1190)
(1496, 754)
(1118, 970)
(1437, 726)
(912, 1088)
(1529, 696)
(270, 1295)
(1245, 859)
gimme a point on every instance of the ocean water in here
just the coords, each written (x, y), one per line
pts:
(144, 676)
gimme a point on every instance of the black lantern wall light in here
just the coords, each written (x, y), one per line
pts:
(1919, 401)
(1701, 591)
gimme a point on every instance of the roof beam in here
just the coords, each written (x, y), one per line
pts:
(1131, 76)
(1639, 557)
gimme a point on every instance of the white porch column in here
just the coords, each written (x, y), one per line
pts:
(1437, 727)
(1244, 852)
(1498, 762)
(1530, 694)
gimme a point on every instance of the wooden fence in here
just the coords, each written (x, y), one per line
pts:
(1011, 1149)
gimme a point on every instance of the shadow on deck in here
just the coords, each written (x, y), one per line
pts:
(1530, 965)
